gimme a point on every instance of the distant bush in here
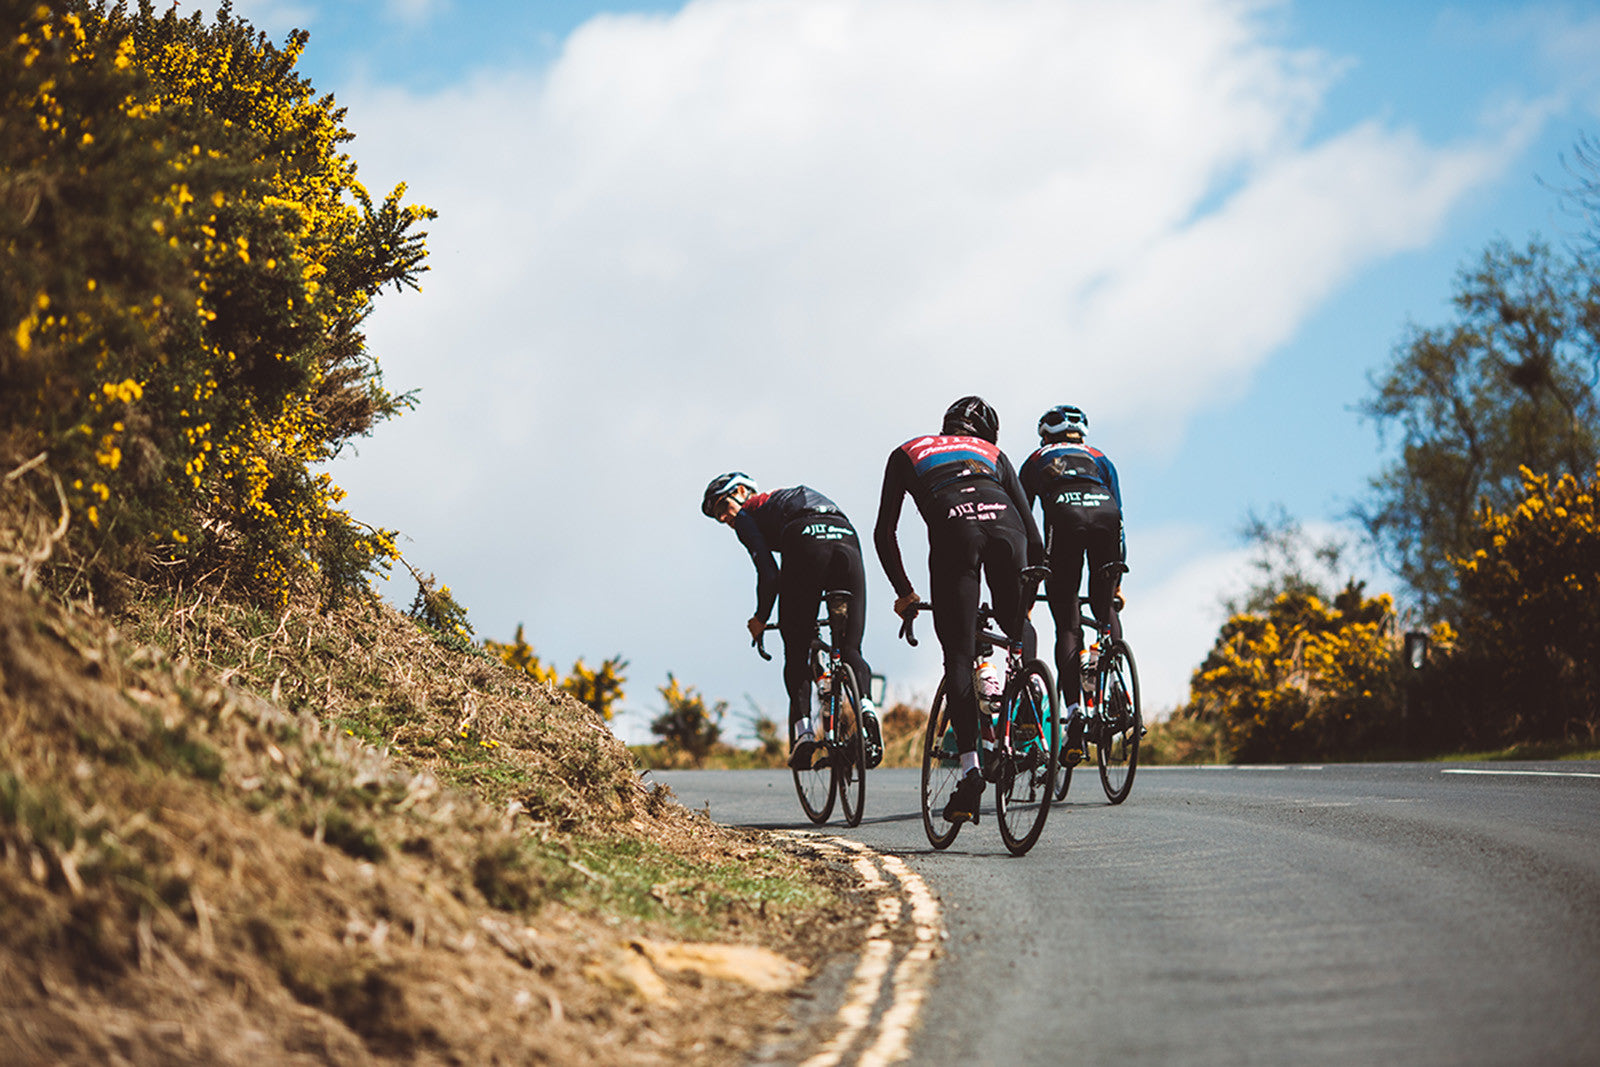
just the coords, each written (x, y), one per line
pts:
(1528, 669)
(687, 725)
(186, 258)
(1301, 679)
(598, 687)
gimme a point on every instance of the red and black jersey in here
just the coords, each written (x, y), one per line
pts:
(761, 525)
(952, 479)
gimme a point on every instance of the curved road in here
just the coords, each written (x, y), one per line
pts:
(1378, 913)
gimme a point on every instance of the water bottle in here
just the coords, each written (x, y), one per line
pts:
(1088, 662)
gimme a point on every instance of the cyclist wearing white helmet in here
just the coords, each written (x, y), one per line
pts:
(1082, 502)
(978, 520)
(820, 552)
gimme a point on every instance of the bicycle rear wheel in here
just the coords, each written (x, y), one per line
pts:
(1121, 721)
(814, 784)
(941, 770)
(1025, 780)
(1063, 768)
(850, 749)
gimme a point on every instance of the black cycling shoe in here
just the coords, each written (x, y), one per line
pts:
(804, 755)
(964, 802)
(874, 739)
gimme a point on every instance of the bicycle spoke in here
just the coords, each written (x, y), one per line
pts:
(1025, 783)
(1122, 722)
(941, 770)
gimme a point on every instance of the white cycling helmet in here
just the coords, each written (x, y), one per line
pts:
(1062, 419)
(721, 486)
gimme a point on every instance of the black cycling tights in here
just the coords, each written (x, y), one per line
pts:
(812, 565)
(957, 550)
(1074, 534)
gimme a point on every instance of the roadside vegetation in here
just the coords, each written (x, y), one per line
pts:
(1486, 511)
(248, 811)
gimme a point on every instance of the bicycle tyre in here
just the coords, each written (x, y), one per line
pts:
(1063, 778)
(815, 786)
(1122, 721)
(1063, 768)
(941, 770)
(850, 752)
(1026, 778)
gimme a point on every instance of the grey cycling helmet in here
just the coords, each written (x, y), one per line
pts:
(1062, 419)
(971, 416)
(721, 486)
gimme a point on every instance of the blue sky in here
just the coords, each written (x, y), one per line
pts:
(780, 235)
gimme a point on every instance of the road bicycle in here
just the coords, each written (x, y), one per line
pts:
(1113, 720)
(839, 764)
(1020, 754)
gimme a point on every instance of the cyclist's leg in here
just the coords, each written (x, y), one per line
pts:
(1066, 577)
(953, 590)
(846, 571)
(799, 594)
(1005, 553)
(1103, 543)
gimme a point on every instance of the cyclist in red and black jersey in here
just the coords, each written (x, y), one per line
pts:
(1077, 488)
(820, 552)
(978, 520)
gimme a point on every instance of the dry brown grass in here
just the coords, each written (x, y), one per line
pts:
(322, 837)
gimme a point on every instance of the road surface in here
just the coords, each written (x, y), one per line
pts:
(1398, 914)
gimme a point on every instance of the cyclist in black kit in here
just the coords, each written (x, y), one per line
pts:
(820, 552)
(1082, 501)
(978, 518)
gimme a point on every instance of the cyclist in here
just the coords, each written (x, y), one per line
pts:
(978, 519)
(820, 552)
(1082, 502)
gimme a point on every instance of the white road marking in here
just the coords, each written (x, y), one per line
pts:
(1529, 774)
(900, 998)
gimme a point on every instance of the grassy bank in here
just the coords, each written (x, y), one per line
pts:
(228, 836)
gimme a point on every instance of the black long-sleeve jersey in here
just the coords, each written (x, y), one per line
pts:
(760, 525)
(951, 478)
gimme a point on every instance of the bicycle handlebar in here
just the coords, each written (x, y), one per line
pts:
(760, 643)
(906, 621)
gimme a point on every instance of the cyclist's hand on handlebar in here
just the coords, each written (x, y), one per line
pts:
(906, 606)
(756, 627)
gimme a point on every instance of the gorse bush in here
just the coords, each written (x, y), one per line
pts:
(1531, 632)
(687, 726)
(598, 687)
(186, 258)
(1302, 679)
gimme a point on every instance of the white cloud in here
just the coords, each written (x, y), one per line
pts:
(780, 235)
(414, 12)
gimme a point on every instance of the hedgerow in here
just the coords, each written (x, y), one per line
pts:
(186, 259)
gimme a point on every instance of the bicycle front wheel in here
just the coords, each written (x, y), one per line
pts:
(849, 750)
(941, 770)
(1025, 781)
(814, 784)
(1121, 721)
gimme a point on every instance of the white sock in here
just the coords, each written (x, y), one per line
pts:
(802, 730)
(969, 763)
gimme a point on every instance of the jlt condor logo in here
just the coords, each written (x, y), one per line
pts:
(979, 512)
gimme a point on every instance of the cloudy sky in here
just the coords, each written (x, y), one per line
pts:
(781, 235)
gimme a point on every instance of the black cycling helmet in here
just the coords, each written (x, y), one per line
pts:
(971, 416)
(721, 486)
(1062, 419)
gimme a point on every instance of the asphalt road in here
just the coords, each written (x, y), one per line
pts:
(1348, 914)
